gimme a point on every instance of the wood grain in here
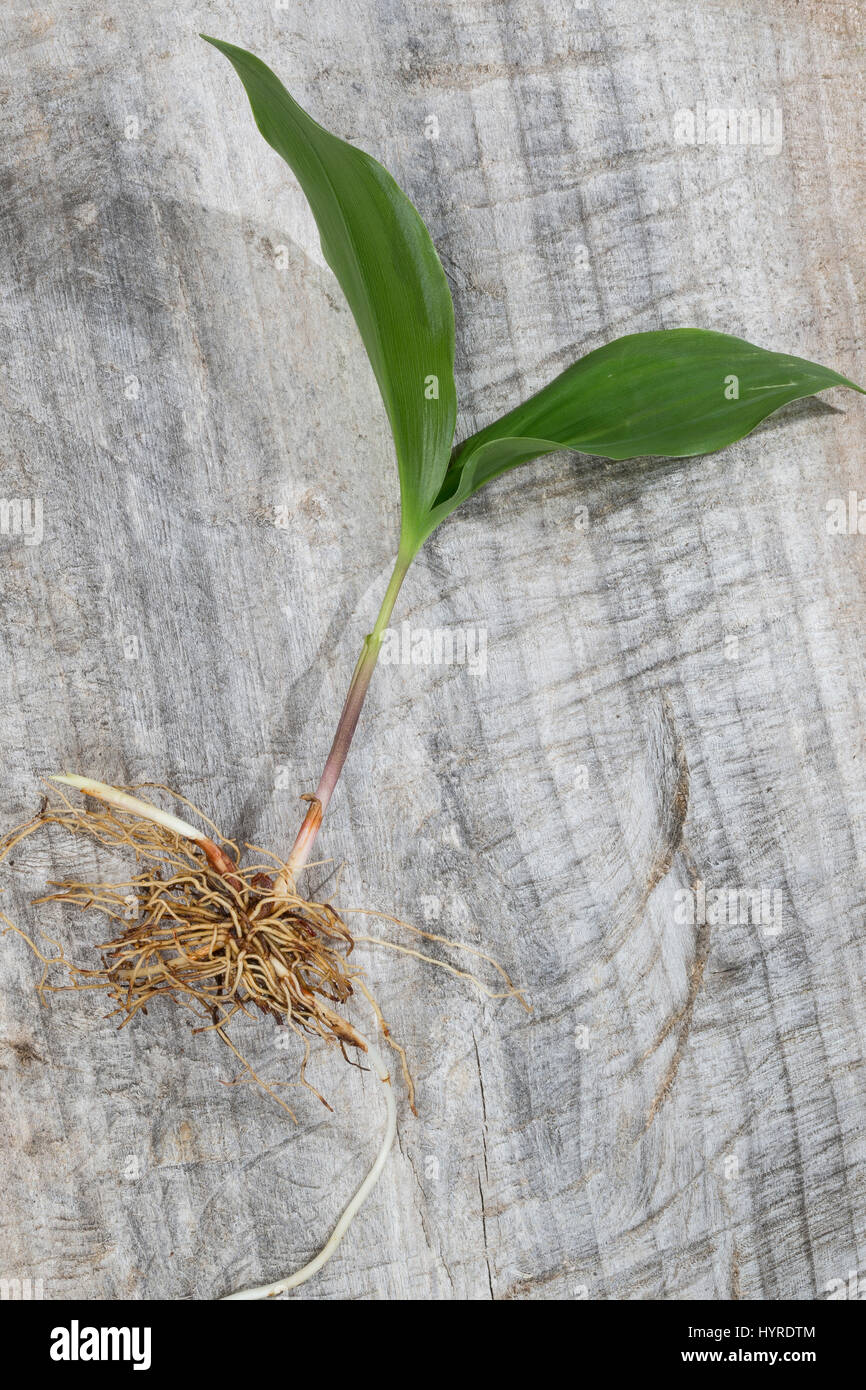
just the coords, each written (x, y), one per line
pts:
(673, 694)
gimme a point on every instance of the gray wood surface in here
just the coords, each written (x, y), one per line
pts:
(673, 694)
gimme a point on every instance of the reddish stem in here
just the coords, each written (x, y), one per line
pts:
(219, 860)
(358, 687)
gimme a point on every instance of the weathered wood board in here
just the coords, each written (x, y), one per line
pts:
(673, 687)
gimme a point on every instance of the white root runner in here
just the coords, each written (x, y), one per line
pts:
(302, 1275)
(133, 804)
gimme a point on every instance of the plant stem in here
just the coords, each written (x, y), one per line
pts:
(358, 687)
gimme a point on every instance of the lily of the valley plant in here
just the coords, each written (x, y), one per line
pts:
(219, 936)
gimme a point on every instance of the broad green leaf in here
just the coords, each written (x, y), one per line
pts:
(668, 394)
(387, 266)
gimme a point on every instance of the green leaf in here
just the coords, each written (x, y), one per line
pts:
(668, 394)
(380, 251)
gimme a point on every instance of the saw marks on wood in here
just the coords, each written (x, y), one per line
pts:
(672, 704)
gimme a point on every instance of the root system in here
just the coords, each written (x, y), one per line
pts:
(216, 944)
(218, 937)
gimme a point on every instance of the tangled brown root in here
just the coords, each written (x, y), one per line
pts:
(218, 944)
(216, 936)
